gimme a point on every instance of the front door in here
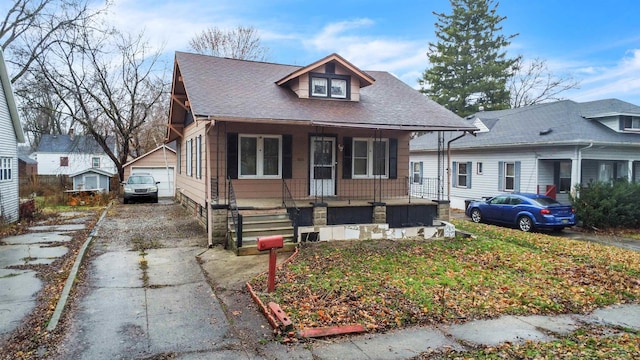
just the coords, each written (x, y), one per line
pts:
(322, 172)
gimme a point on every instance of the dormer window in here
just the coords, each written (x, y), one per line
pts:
(329, 86)
(630, 123)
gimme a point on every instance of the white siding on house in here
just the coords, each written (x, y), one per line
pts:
(536, 167)
(9, 201)
(49, 163)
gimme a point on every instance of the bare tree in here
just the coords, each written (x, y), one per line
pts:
(40, 110)
(239, 43)
(31, 26)
(107, 82)
(533, 83)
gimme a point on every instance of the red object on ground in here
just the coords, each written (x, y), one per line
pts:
(281, 316)
(271, 243)
(334, 330)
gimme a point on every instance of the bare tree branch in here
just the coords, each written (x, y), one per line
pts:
(239, 43)
(108, 83)
(30, 27)
(533, 83)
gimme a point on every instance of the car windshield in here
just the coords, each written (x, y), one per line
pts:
(141, 180)
(546, 201)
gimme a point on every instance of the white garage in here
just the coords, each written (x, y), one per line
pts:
(164, 175)
(160, 163)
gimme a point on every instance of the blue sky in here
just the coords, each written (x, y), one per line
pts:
(595, 42)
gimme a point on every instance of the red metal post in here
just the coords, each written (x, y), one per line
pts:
(273, 256)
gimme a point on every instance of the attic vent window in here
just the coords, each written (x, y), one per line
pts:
(546, 131)
(329, 86)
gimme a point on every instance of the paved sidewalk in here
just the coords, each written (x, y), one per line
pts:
(408, 343)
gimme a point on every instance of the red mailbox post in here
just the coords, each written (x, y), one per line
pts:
(271, 243)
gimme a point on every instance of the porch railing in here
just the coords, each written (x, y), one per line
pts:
(370, 190)
(235, 214)
(424, 187)
(292, 208)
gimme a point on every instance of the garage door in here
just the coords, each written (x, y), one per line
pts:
(162, 174)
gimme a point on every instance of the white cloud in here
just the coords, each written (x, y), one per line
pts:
(404, 58)
(621, 81)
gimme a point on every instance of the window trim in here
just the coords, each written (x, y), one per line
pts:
(6, 168)
(93, 162)
(260, 156)
(479, 167)
(370, 158)
(64, 161)
(329, 79)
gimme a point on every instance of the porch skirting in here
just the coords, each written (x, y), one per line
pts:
(326, 222)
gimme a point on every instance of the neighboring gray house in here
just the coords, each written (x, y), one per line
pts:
(546, 148)
(71, 153)
(10, 135)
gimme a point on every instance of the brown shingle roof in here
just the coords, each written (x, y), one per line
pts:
(229, 89)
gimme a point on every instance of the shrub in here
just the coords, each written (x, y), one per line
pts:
(28, 209)
(608, 205)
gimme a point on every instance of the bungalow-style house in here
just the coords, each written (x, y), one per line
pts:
(547, 149)
(10, 135)
(327, 143)
(68, 154)
(160, 163)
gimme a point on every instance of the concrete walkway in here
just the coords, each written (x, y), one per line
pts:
(42, 245)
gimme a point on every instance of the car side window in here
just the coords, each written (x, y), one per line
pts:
(515, 201)
(499, 200)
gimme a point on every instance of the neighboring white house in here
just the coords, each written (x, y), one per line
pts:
(10, 135)
(546, 148)
(70, 154)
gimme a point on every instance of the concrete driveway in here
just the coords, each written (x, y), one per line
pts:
(145, 293)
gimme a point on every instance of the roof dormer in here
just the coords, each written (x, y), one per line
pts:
(330, 78)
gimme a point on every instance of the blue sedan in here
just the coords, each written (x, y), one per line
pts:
(525, 211)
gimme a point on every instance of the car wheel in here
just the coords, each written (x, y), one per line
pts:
(155, 200)
(476, 216)
(525, 224)
(125, 201)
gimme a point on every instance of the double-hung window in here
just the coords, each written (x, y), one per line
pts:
(370, 158)
(189, 155)
(95, 162)
(260, 156)
(509, 176)
(199, 157)
(462, 174)
(416, 172)
(5, 169)
(329, 86)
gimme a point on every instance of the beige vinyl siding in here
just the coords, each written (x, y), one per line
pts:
(272, 188)
(190, 185)
(155, 159)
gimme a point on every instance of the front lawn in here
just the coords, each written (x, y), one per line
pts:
(385, 284)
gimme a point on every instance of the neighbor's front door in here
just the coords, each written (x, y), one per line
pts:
(322, 166)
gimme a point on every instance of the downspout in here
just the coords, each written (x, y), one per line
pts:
(207, 182)
(580, 168)
(449, 164)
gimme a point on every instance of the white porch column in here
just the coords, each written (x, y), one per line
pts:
(576, 173)
(630, 170)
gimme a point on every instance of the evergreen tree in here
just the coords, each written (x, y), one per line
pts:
(469, 66)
